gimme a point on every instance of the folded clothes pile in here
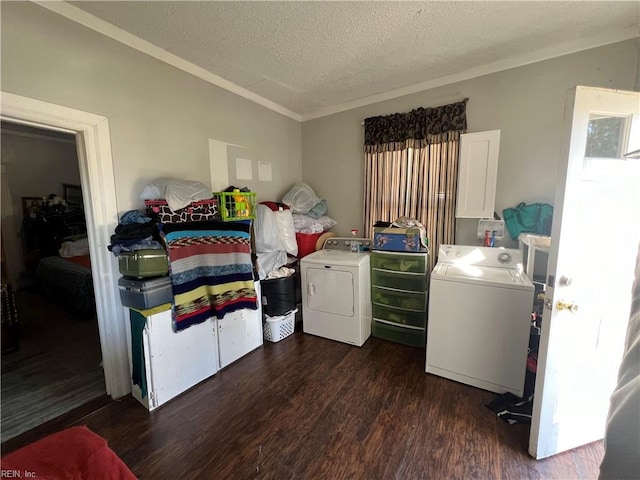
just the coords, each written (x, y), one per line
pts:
(135, 232)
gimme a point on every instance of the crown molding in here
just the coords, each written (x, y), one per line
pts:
(91, 21)
(568, 48)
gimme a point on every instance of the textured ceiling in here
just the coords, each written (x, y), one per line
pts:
(317, 57)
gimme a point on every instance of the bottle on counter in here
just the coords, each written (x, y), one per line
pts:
(493, 239)
(354, 243)
(487, 240)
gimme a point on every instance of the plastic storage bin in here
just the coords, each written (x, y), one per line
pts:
(277, 328)
(236, 205)
(404, 335)
(307, 243)
(399, 262)
(415, 301)
(399, 316)
(416, 282)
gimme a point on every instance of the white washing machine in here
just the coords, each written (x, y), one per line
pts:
(480, 303)
(336, 292)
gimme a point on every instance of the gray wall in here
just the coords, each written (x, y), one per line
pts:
(525, 103)
(35, 166)
(160, 118)
(38, 166)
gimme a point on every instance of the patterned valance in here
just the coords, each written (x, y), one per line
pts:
(416, 128)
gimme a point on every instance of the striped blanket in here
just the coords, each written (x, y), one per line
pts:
(211, 270)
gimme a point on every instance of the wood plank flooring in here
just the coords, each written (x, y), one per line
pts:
(311, 408)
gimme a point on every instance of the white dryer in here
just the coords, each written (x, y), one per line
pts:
(480, 304)
(336, 292)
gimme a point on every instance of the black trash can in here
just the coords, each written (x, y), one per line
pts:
(278, 295)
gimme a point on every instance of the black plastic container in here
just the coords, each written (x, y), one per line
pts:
(278, 295)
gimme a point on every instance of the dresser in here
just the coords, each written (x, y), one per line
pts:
(399, 282)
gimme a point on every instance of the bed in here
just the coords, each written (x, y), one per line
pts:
(67, 281)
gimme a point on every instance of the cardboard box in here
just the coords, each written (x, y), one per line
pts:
(397, 239)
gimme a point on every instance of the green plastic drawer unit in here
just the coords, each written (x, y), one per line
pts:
(415, 282)
(399, 299)
(399, 262)
(399, 316)
(405, 335)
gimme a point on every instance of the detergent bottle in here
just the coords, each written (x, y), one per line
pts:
(354, 243)
(240, 203)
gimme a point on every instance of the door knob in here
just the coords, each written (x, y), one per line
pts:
(565, 281)
(572, 307)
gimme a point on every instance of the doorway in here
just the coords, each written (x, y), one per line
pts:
(53, 362)
(98, 193)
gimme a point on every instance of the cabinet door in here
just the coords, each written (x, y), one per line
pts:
(477, 174)
(239, 333)
(178, 360)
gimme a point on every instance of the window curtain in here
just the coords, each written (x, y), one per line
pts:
(411, 169)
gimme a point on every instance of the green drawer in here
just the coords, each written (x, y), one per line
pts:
(399, 262)
(404, 335)
(415, 301)
(399, 316)
(416, 282)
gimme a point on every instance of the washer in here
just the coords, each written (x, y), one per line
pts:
(336, 292)
(480, 305)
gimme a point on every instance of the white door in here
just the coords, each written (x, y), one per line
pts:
(594, 243)
(178, 360)
(330, 291)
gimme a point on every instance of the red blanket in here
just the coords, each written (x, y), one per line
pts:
(72, 454)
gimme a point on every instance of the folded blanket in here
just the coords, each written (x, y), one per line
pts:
(211, 270)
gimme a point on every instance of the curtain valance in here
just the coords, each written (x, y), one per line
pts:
(415, 129)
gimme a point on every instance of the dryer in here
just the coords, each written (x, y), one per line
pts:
(480, 304)
(336, 292)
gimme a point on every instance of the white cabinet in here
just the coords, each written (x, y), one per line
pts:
(166, 363)
(477, 174)
(239, 332)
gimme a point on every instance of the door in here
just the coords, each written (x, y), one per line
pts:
(178, 360)
(330, 290)
(478, 174)
(594, 243)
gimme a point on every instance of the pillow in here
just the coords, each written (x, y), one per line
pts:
(318, 209)
(177, 193)
(306, 224)
(300, 198)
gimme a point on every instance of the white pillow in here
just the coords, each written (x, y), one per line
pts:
(306, 224)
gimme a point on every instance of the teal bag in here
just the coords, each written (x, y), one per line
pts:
(534, 218)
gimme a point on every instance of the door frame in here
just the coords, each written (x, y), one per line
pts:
(99, 196)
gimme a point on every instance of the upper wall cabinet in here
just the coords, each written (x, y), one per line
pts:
(477, 176)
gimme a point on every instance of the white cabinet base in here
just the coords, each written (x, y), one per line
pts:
(239, 333)
(175, 361)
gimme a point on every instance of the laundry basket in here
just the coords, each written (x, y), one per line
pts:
(277, 328)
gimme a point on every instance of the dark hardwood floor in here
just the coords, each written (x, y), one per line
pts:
(310, 408)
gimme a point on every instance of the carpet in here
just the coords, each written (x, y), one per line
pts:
(56, 369)
(72, 454)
